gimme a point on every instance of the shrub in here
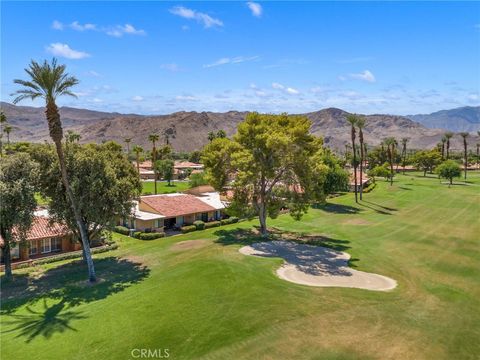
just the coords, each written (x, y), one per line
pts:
(230, 220)
(188, 228)
(212, 224)
(121, 230)
(136, 234)
(199, 224)
(233, 219)
(151, 236)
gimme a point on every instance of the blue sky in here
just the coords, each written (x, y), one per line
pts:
(161, 57)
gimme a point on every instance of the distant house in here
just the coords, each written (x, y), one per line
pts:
(180, 169)
(43, 239)
(169, 211)
(364, 184)
(146, 170)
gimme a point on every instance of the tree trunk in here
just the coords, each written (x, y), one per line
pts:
(361, 163)
(354, 164)
(262, 216)
(154, 158)
(465, 156)
(7, 259)
(448, 149)
(443, 151)
(138, 163)
(390, 157)
(56, 133)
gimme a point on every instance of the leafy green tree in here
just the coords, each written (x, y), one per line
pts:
(464, 136)
(267, 165)
(211, 136)
(138, 150)
(49, 81)
(17, 202)
(380, 171)
(328, 172)
(197, 179)
(448, 135)
(353, 120)
(448, 170)
(102, 179)
(426, 160)
(221, 134)
(195, 156)
(153, 138)
(165, 169)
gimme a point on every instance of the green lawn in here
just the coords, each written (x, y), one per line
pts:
(213, 302)
(163, 188)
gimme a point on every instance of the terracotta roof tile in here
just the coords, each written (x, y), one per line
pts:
(41, 229)
(170, 205)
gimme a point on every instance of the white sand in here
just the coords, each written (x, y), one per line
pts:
(317, 266)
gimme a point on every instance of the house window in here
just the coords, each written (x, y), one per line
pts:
(56, 244)
(33, 247)
(15, 252)
(158, 223)
(45, 246)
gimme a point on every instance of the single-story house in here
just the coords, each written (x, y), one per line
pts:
(167, 211)
(364, 184)
(43, 239)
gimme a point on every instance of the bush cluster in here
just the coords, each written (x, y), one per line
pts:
(199, 224)
(230, 220)
(212, 224)
(121, 230)
(188, 228)
(148, 236)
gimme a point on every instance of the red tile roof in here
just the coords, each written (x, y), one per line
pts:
(145, 165)
(41, 229)
(176, 205)
(187, 164)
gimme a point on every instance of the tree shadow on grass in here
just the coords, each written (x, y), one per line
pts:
(380, 206)
(46, 322)
(250, 236)
(339, 208)
(67, 283)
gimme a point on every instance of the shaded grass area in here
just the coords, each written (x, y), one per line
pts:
(148, 187)
(213, 302)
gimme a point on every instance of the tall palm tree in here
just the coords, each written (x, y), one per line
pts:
(443, 140)
(137, 149)
(3, 120)
(7, 129)
(404, 152)
(49, 81)
(448, 136)
(365, 153)
(361, 125)
(390, 143)
(352, 120)
(127, 141)
(154, 138)
(464, 135)
(478, 155)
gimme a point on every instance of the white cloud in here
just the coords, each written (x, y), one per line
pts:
(235, 60)
(93, 73)
(206, 20)
(57, 25)
(63, 50)
(120, 30)
(286, 89)
(186, 98)
(170, 67)
(137, 98)
(79, 27)
(473, 97)
(255, 8)
(115, 30)
(365, 75)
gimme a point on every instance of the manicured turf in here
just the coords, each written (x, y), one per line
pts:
(212, 302)
(163, 188)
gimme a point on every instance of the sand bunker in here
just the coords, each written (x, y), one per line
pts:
(189, 245)
(317, 266)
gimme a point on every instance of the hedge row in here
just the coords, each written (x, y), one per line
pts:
(200, 225)
(68, 256)
(122, 230)
(148, 236)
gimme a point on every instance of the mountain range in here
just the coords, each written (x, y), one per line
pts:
(466, 118)
(188, 131)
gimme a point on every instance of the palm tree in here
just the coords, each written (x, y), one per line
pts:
(352, 120)
(3, 120)
(361, 125)
(464, 135)
(478, 155)
(443, 140)
(127, 141)
(49, 81)
(448, 136)
(137, 149)
(365, 153)
(404, 152)
(390, 143)
(7, 129)
(154, 138)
